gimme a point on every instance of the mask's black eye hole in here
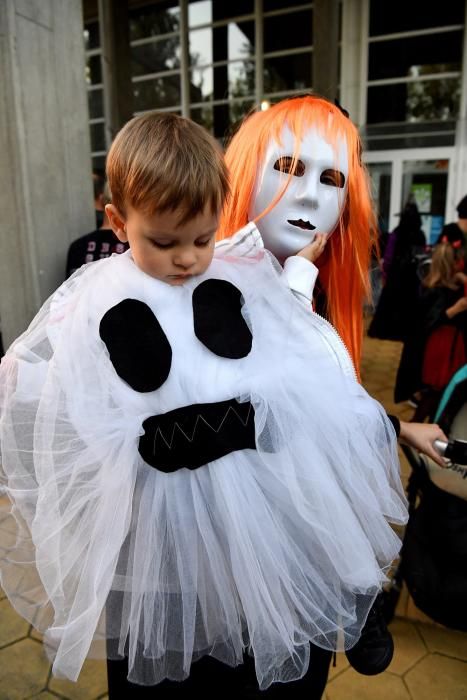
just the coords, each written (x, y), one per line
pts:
(286, 165)
(218, 320)
(137, 345)
(334, 178)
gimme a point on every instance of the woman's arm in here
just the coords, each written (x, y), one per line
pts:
(421, 437)
(301, 273)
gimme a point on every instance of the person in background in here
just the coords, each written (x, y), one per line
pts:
(436, 348)
(394, 312)
(457, 231)
(96, 245)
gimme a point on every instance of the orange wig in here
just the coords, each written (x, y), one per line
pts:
(344, 268)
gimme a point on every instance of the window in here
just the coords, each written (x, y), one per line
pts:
(93, 78)
(154, 20)
(403, 16)
(290, 30)
(222, 55)
(285, 73)
(288, 38)
(414, 73)
(155, 56)
(442, 52)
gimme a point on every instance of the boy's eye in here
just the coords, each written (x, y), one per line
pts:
(332, 177)
(203, 242)
(160, 245)
(286, 165)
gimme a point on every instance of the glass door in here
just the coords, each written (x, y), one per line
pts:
(421, 175)
(425, 182)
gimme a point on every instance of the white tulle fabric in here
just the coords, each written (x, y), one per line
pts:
(262, 551)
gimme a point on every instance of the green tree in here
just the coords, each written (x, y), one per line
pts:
(430, 100)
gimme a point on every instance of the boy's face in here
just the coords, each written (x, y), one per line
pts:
(163, 248)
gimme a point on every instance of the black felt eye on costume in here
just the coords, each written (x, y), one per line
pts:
(137, 345)
(218, 320)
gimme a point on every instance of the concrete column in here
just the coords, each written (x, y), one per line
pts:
(184, 59)
(259, 52)
(459, 167)
(116, 76)
(325, 47)
(354, 59)
(46, 198)
(457, 172)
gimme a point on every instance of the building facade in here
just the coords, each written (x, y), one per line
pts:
(399, 68)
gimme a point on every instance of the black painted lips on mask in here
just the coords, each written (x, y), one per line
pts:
(300, 223)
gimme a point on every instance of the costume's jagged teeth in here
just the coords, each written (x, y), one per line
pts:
(200, 420)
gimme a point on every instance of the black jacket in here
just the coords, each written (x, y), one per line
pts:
(98, 244)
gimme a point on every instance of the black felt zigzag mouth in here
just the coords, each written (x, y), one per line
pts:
(195, 435)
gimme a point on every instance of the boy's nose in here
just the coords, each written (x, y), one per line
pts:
(185, 259)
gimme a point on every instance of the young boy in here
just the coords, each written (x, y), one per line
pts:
(197, 476)
(172, 245)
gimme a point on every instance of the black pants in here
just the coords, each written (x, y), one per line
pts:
(211, 679)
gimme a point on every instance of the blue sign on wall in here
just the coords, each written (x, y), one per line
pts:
(437, 223)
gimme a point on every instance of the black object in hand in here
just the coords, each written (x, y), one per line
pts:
(454, 450)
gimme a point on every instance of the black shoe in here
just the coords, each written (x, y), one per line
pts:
(373, 652)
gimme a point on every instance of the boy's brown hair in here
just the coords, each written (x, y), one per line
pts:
(162, 162)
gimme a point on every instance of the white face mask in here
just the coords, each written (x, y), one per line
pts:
(314, 198)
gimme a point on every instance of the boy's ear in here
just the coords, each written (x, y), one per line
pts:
(117, 222)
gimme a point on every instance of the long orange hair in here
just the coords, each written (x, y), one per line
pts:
(344, 268)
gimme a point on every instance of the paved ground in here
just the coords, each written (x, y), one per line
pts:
(430, 662)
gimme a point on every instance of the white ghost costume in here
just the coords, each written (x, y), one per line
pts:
(123, 532)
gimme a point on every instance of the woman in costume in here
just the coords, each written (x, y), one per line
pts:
(296, 170)
(395, 313)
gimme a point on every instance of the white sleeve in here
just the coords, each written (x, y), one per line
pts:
(300, 274)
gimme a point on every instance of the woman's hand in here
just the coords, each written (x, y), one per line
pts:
(421, 437)
(314, 249)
